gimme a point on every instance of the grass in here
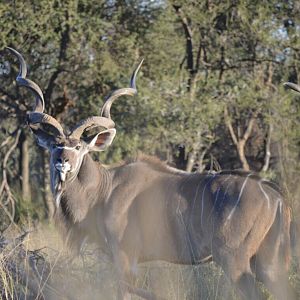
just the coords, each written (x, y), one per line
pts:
(36, 265)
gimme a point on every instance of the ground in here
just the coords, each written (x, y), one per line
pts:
(38, 265)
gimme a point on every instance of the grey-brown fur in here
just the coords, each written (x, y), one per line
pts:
(144, 210)
(147, 211)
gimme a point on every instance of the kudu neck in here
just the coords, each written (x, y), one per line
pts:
(90, 186)
(93, 177)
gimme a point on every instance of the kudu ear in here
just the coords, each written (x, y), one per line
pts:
(101, 140)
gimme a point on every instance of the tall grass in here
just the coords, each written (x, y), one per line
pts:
(36, 265)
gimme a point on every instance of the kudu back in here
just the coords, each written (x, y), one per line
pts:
(144, 210)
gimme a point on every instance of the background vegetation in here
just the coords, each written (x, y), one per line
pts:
(210, 89)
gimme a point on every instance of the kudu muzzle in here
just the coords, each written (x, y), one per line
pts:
(66, 159)
(63, 167)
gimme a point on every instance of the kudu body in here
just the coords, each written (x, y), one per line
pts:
(144, 210)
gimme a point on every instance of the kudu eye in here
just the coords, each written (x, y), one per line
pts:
(62, 160)
(77, 147)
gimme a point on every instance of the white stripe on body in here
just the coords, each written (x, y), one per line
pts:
(196, 194)
(239, 198)
(227, 188)
(202, 200)
(187, 236)
(265, 194)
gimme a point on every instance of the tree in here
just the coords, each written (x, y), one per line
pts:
(210, 88)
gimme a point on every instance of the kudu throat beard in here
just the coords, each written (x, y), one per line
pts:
(58, 187)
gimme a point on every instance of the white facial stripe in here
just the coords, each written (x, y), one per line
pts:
(67, 148)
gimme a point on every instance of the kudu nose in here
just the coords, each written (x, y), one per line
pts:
(63, 167)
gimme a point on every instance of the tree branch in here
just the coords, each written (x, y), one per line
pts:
(189, 41)
(268, 149)
(198, 56)
(240, 143)
(229, 126)
(249, 128)
(65, 39)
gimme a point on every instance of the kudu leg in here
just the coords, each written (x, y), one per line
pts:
(247, 287)
(126, 284)
(278, 286)
(271, 263)
(126, 277)
(239, 272)
(275, 278)
(127, 280)
(144, 294)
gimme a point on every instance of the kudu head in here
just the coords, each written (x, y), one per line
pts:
(67, 151)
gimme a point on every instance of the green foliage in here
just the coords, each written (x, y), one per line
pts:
(240, 53)
(237, 56)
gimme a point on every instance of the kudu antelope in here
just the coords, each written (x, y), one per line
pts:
(145, 210)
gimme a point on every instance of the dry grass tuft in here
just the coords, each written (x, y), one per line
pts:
(49, 272)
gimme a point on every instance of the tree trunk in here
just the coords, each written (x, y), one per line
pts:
(201, 165)
(47, 195)
(268, 149)
(24, 167)
(240, 142)
(241, 151)
(191, 160)
(192, 156)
